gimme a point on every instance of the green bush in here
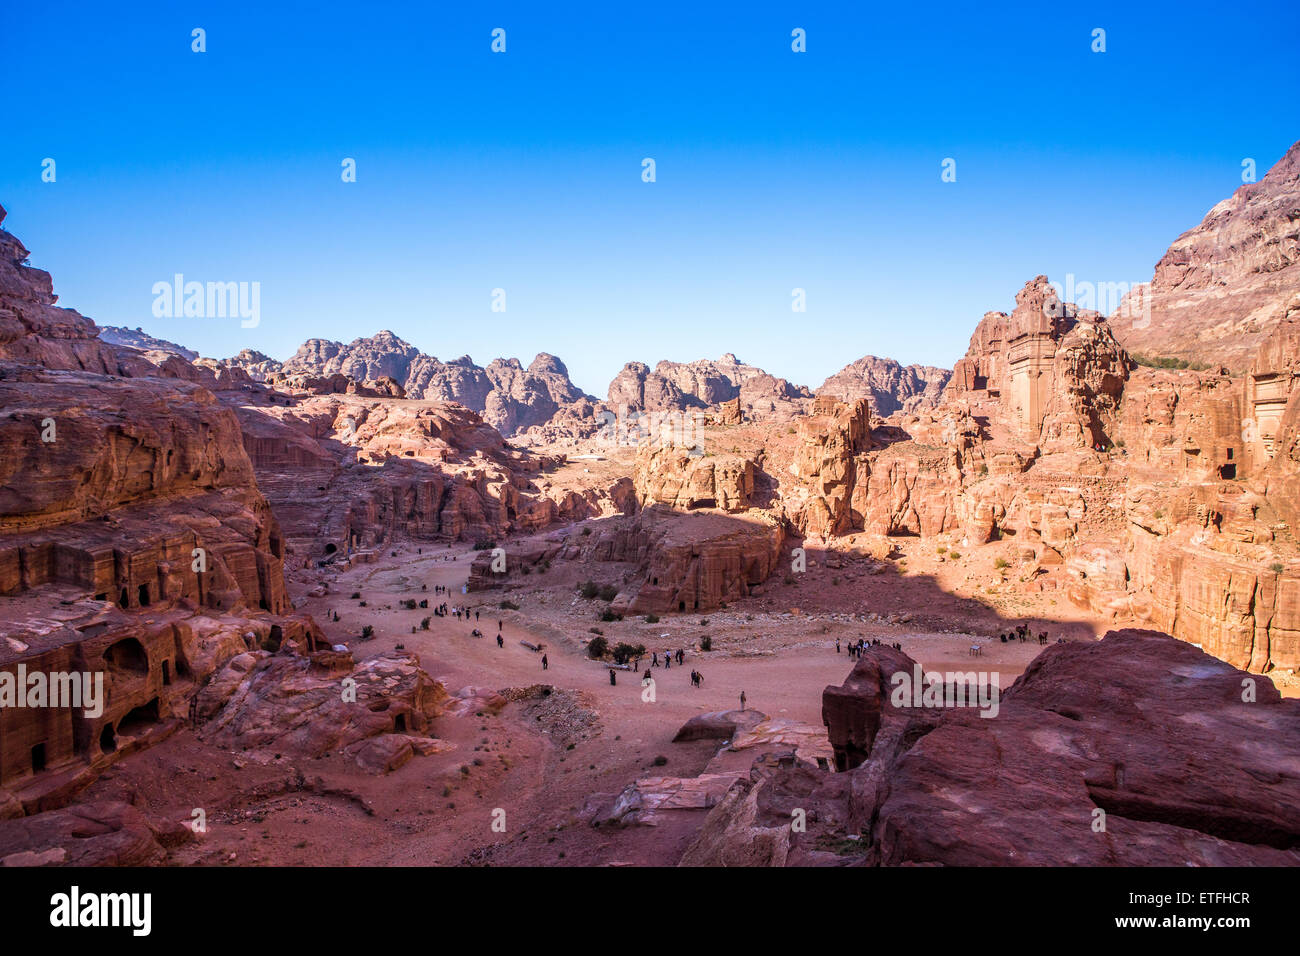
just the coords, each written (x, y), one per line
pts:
(597, 648)
(509, 606)
(1277, 568)
(1000, 563)
(589, 589)
(652, 618)
(608, 615)
(706, 643)
(955, 555)
(367, 632)
(624, 652)
(594, 630)
(608, 592)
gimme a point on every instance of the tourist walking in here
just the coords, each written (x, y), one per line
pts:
(545, 664)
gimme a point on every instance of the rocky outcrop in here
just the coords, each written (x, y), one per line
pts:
(509, 396)
(1223, 286)
(677, 386)
(888, 386)
(134, 542)
(1054, 372)
(670, 475)
(143, 341)
(310, 706)
(1089, 762)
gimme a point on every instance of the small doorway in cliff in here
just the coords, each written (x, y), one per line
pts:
(123, 600)
(107, 739)
(38, 758)
(399, 724)
(144, 595)
(167, 672)
(1228, 472)
(681, 605)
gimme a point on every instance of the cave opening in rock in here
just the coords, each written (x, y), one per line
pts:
(166, 672)
(144, 595)
(139, 719)
(127, 658)
(107, 739)
(38, 758)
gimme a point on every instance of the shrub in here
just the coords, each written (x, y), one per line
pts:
(608, 615)
(594, 630)
(356, 596)
(484, 545)
(942, 549)
(704, 622)
(508, 606)
(1277, 568)
(624, 652)
(409, 604)
(835, 581)
(955, 555)
(586, 531)
(424, 624)
(608, 592)
(367, 632)
(652, 618)
(597, 648)
(706, 643)
(1000, 563)
(589, 589)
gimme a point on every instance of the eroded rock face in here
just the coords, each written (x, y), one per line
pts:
(144, 342)
(302, 705)
(134, 542)
(509, 396)
(670, 475)
(389, 469)
(888, 386)
(102, 833)
(1142, 727)
(678, 386)
(1056, 372)
(1223, 286)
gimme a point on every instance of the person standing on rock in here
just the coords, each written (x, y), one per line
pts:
(613, 678)
(545, 663)
(837, 645)
(654, 659)
(742, 700)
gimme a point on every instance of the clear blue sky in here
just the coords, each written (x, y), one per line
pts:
(522, 171)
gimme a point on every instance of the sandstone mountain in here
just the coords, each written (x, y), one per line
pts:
(136, 339)
(1222, 286)
(887, 385)
(676, 386)
(509, 396)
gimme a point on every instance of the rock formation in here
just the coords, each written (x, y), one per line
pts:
(1223, 286)
(677, 386)
(509, 396)
(142, 341)
(888, 386)
(1088, 763)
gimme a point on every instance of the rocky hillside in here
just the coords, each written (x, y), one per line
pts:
(136, 339)
(676, 386)
(887, 385)
(509, 396)
(1222, 286)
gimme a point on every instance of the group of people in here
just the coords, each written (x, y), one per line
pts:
(861, 644)
(668, 658)
(1022, 634)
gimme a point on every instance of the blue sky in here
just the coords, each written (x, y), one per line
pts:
(522, 170)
